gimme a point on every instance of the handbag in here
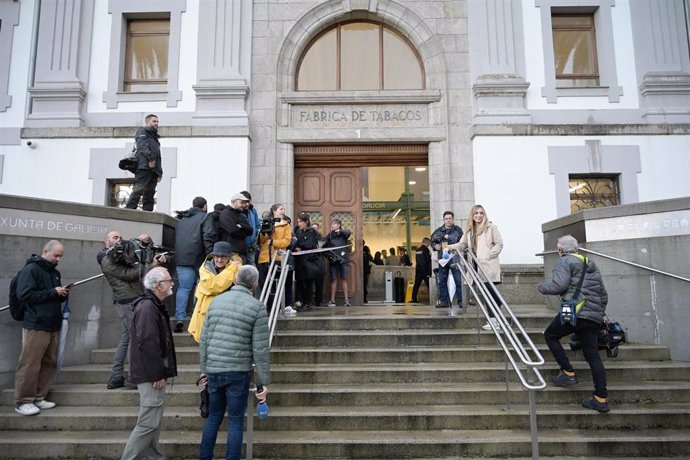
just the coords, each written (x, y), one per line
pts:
(611, 335)
(130, 162)
(568, 312)
(203, 397)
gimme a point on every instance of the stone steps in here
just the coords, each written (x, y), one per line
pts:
(371, 418)
(368, 444)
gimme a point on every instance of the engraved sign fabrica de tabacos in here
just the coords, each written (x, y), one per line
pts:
(331, 116)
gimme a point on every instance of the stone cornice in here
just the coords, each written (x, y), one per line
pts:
(361, 97)
(581, 130)
(128, 132)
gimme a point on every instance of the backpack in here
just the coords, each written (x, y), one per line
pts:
(17, 308)
(130, 161)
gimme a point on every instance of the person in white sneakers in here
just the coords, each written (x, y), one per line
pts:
(485, 240)
(39, 290)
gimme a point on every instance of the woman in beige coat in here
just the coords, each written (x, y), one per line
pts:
(485, 240)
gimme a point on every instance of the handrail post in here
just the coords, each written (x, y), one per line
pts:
(533, 428)
(505, 360)
(249, 413)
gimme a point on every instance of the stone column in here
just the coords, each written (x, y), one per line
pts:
(9, 18)
(224, 53)
(660, 43)
(60, 80)
(496, 43)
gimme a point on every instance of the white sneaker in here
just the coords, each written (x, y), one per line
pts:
(43, 404)
(494, 321)
(289, 311)
(27, 409)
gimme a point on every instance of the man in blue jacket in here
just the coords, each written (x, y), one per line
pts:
(39, 288)
(448, 233)
(195, 236)
(255, 222)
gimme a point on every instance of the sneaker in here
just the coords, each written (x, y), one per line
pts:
(129, 385)
(115, 383)
(593, 404)
(178, 326)
(297, 305)
(331, 303)
(494, 321)
(347, 303)
(441, 305)
(27, 409)
(563, 380)
(43, 404)
(289, 311)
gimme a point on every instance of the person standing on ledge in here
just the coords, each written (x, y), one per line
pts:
(149, 167)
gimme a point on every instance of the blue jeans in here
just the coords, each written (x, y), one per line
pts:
(226, 390)
(443, 284)
(186, 279)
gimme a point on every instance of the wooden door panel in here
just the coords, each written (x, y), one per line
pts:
(329, 192)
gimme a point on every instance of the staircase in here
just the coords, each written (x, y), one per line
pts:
(383, 382)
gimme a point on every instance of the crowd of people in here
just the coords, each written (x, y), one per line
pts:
(229, 251)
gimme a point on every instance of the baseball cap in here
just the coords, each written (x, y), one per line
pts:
(240, 196)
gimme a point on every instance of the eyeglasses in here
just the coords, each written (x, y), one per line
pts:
(166, 281)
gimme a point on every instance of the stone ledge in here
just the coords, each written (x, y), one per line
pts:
(580, 129)
(129, 132)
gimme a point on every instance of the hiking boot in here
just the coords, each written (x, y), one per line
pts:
(563, 380)
(116, 383)
(27, 409)
(331, 303)
(178, 326)
(43, 404)
(593, 404)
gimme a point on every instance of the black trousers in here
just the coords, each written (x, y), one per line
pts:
(418, 278)
(145, 182)
(588, 332)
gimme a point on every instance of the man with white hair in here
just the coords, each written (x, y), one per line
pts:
(152, 361)
(573, 270)
(234, 336)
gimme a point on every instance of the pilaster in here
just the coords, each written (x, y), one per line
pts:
(60, 80)
(496, 43)
(9, 18)
(662, 60)
(223, 62)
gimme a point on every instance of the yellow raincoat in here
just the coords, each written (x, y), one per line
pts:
(210, 285)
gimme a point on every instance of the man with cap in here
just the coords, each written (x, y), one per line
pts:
(252, 216)
(216, 276)
(194, 238)
(233, 226)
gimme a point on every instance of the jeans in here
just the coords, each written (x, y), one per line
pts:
(443, 284)
(226, 390)
(143, 442)
(123, 310)
(186, 279)
(588, 332)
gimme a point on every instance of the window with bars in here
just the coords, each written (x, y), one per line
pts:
(590, 191)
(119, 191)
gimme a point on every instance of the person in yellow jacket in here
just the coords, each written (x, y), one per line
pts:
(278, 237)
(216, 275)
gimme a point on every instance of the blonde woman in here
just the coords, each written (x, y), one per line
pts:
(216, 275)
(485, 240)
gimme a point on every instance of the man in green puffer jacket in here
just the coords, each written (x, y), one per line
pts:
(235, 335)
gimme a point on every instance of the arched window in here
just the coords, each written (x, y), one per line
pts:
(359, 56)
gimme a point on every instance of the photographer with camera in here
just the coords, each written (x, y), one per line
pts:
(124, 264)
(338, 259)
(275, 235)
(575, 272)
(233, 225)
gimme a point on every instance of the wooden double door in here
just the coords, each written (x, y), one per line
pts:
(334, 193)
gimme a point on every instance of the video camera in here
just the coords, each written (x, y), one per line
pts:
(267, 223)
(134, 251)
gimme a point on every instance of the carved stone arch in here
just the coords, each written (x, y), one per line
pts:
(388, 12)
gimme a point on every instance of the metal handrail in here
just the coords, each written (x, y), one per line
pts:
(606, 256)
(517, 339)
(69, 286)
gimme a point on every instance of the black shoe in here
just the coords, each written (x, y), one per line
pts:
(593, 404)
(414, 301)
(441, 305)
(129, 385)
(178, 326)
(116, 383)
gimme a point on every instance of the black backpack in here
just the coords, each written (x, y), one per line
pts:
(17, 308)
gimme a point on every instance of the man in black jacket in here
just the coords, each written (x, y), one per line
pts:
(195, 235)
(422, 270)
(152, 362)
(338, 259)
(149, 167)
(448, 233)
(233, 225)
(39, 288)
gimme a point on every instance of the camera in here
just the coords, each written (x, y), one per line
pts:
(267, 223)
